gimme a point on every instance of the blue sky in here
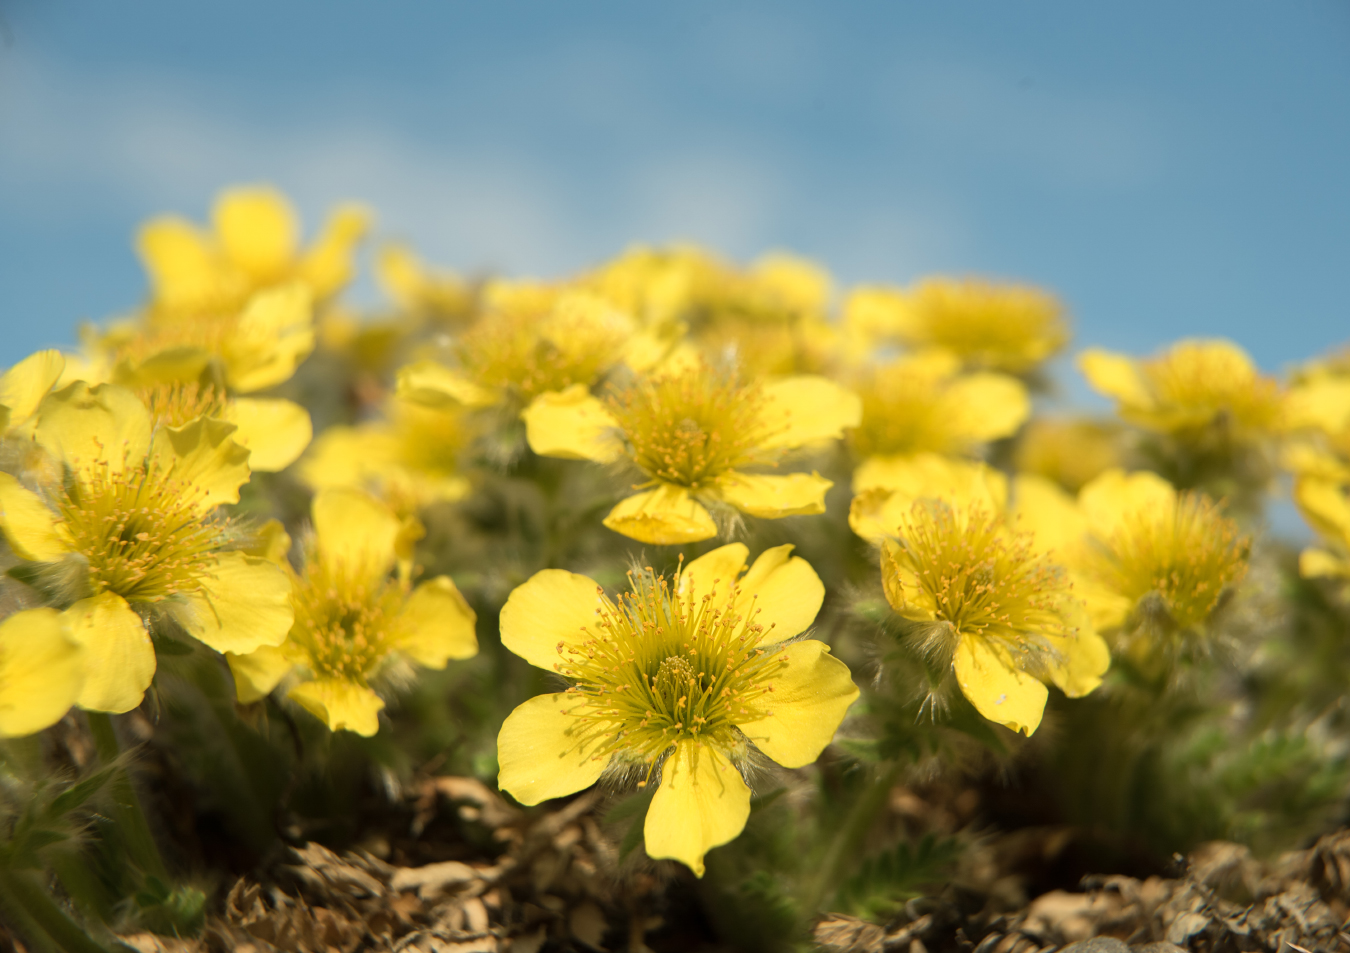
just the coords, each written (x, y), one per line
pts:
(1170, 169)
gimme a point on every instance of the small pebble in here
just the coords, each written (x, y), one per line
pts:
(1161, 947)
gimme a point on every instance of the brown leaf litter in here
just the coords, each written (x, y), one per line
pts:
(1227, 902)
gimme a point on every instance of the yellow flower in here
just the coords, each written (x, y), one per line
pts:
(1325, 504)
(1151, 563)
(246, 349)
(409, 460)
(355, 619)
(693, 434)
(1012, 328)
(254, 245)
(684, 679)
(42, 671)
(1195, 389)
(921, 403)
(993, 600)
(129, 533)
(443, 297)
(1068, 450)
(530, 340)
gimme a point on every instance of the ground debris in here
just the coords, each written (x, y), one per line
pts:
(1227, 902)
(551, 877)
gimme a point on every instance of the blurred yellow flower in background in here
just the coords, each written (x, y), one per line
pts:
(1196, 389)
(254, 243)
(1069, 451)
(693, 434)
(923, 403)
(127, 532)
(686, 680)
(356, 619)
(1012, 328)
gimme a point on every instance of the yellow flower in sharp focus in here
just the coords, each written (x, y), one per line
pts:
(42, 671)
(694, 434)
(1011, 328)
(1151, 563)
(409, 460)
(1193, 389)
(684, 680)
(130, 533)
(922, 403)
(356, 618)
(993, 599)
(254, 244)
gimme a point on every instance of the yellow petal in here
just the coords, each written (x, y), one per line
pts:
(1114, 496)
(29, 524)
(539, 751)
(702, 802)
(804, 409)
(1115, 375)
(80, 424)
(876, 513)
(1083, 660)
(203, 455)
(664, 516)
(438, 624)
(275, 432)
(549, 608)
(245, 603)
(258, 672)
(1042, 508)
(1324, 505)
(349, 456)
(784, 591)
(257, 230)
(340, 705)
(723, 566)
(573, 425)
(435, 385)
(773, 497)
(180, 260)
(271, 542)
(931, 476)
(809, 698)
(999, 691)
(987, 406)
(327, 266)
(1318, 562)
(185, 362)
(354, 529)
(25, 384)
(274, 334)
(41, 671)
(903, 586)
(119, 658)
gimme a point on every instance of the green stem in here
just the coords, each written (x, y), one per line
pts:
(127, 814)
(44, 923)
(844, 848)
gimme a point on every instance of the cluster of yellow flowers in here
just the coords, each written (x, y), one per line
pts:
(1021, 553)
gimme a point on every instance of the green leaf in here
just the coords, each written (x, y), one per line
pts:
(79, 792)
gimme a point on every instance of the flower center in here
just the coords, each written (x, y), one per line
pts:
(140, 529)
(979, 576)
(527, 351)
(175, 404)
(902, 414)
(663, 667)
(1211, 381)
(690, 428)
(1189, 557)
(345, 623)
